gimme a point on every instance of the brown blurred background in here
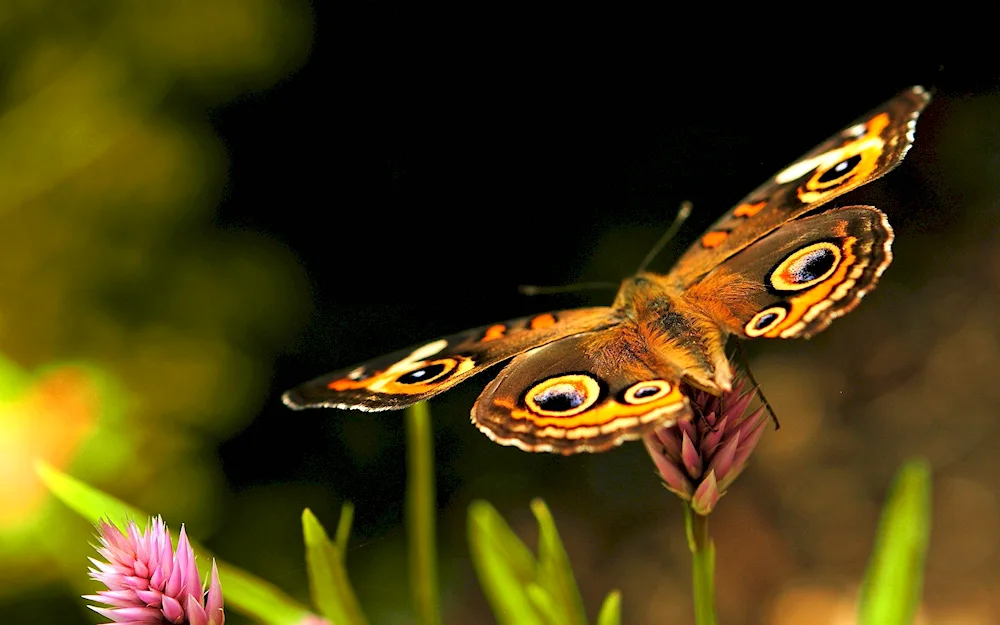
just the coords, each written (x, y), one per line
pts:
(205, 204)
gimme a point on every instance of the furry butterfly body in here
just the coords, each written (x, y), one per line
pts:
(589, 379)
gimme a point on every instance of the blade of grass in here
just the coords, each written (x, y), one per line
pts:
(545, 605)
(504, 565)
(243, 591)
(611, 609)
(894, 579)
(331, 590)
(421, 506)
(555, 574)
(344, 528)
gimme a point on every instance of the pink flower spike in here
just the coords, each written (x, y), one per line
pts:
(707, 495)
(671, 444)
(690, 457)
(196, 613)
(722, 461)
(712, 438)
(172, 609)
(673, 477)
(148, 582)
(214, 603)
(687, 427)
(739, 405)
(700, 458)
(752, 427)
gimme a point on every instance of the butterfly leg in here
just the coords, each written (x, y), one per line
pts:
(746, 367)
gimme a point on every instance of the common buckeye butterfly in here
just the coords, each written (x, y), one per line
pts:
(589, 379)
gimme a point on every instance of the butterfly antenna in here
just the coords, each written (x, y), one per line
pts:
(746, 367)
(531, 289)
(682, 214)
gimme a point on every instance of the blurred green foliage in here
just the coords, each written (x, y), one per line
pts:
(328, 583)
(110, 176)
(523, 588)
(893, 583)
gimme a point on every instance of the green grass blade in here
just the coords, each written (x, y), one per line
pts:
(894, 579)
(555, 573)
(611, 609)
(421, 506)
(344, 528)
(331, 590)
(243, 591)
(504, 565)
(545, 605)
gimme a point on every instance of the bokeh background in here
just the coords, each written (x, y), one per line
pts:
(205, 203)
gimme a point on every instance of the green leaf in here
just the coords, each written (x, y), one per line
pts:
(892, 586)
(544, 604)
(504, 565)
(331, 591)
(521, 588)
(611, 609)
(242, 590)
(555, 574)
(344, 528)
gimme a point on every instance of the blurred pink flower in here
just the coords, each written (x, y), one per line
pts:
(700, 458)
(148, 582)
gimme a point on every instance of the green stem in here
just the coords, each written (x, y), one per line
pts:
(702, 566)
(421, 503)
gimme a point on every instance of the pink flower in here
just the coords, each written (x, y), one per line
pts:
(149, 583)
(700, 458)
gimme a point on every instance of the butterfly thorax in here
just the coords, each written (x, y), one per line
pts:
(682, 341)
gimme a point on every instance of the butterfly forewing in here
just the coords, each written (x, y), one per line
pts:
(863, 151)
(405, 377)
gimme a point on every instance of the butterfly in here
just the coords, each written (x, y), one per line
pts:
(586, 380)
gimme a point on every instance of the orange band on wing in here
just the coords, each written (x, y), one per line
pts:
(868, 149)
(542, 321)
(493, 333)
(604, 414)
(878, 123)
(714, 238)
(749, 210)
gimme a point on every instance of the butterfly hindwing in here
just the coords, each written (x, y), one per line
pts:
(863, 151)
(587, 392)
(796, 280)
(407, 376)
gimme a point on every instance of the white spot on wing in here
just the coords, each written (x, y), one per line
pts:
(797, 170)
(426, 351)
